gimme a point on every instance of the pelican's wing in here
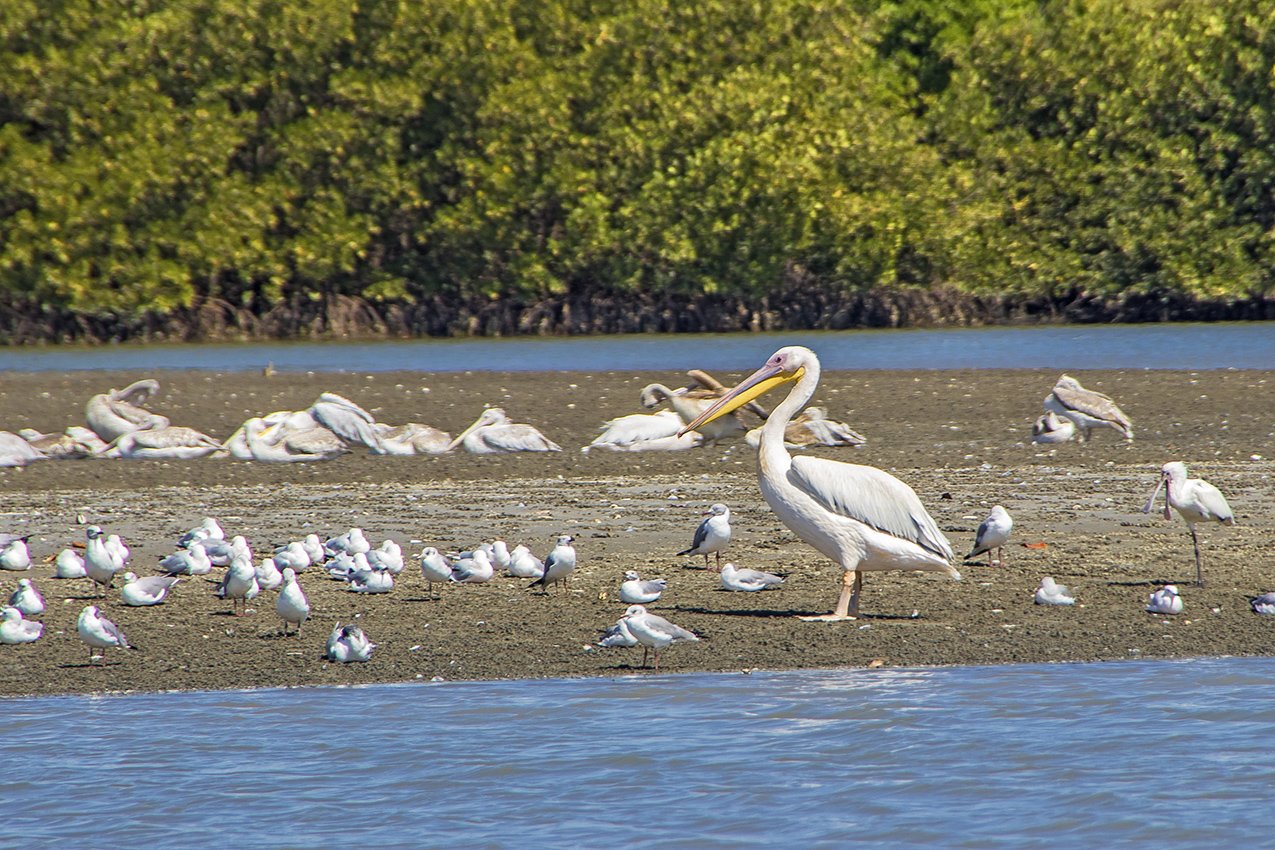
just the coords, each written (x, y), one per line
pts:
(313, 441)
(173, 437)
(870, 496)
(1091, 403)
(518, 438)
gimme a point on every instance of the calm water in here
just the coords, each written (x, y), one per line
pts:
(1176, 346)
(1132, 754)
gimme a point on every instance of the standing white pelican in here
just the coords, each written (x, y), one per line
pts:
(113, 414)
(493, 433)
(1051, 428)
(1195, 500)
(712, 535)
(993, 533)
(1086, 408)
(860, 517)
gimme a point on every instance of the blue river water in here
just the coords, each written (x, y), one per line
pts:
(1153, 346)
(1127, 754)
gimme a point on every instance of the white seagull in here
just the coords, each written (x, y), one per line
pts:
(859, 516)
(98, 632)
(749, 581)
(389, 555)
(292, 556)
(633, 590)
(1165, 601)
(1087, 409)
(434, 567)
(1051, 592)
(239, 585)
(268, 575)
(559, 564)
(712, 535)
(523, 564)
(15, 555)
(69, 564)
(993, 533)
(348, 643)
(27, 599)
(291, 606)
(352, 542)
(208, 529)
(654, 632)
(100, 563)
(151, 590)
(193, 561)
(618, 635)
(1195, 500)
(476, 569)
(15, 630)
(1051, 428)
(1264, 604)
(493, 433)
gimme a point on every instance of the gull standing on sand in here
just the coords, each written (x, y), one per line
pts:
(99, 562)
(748, 581)
(654, 632)
(348, 643)
(15, 630)
(69, 564)
(559, 564)
(1051, 592)
(859, 516)
(493, 433)
(291, 606)
(712, 535)
(15, 555)
(1087, 409)
(993, 533)
(27, 599)
(434, 567)
(151, 590)
(99, 633)
(1165, 601)
(635, 591)
(239, 585)
(193, 561)
(1195, 500)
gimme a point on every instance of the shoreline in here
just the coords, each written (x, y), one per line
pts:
(960, 432)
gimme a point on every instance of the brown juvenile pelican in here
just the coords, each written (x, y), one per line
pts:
(1086, 408)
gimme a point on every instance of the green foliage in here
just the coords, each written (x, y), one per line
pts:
(156, 151)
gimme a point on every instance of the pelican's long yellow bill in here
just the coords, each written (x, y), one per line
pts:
(757, 384)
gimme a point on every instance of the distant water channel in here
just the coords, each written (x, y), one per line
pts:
(1130, 754)
(1160, 346)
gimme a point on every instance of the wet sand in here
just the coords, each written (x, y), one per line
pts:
(960, 439)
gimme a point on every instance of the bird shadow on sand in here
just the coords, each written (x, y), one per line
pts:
(788, 614)
(278, 636)
(83, 665)
(421, 599)
(1151, 582)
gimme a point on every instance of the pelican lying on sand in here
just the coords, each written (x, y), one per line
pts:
(813, 428)
(75, 442)
(1052, 428)
(113, 414)
(411, 439)
(15, 451)
(645, 432)
(859, 516)
(279, 443)
(688, 405)
(172, 442)
(494, 433)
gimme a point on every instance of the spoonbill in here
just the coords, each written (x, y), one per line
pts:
(1087, 409)
(859, 516)
(1195, 500)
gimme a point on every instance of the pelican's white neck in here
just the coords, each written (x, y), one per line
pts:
(770, 450)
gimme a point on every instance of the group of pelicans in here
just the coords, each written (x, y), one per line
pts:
(119, 425)
(861, 517)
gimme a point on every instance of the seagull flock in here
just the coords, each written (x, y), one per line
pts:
(862, 518)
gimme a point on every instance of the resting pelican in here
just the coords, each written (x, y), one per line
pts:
(813, 428)
(347, 420)
(493, 433)
(74, 442)
(411, 439)
(644, 432)
(1086, 408)
(172, 442)
(113, 414)
(15, 451)
(690, 404)
(1195, 500)
(860, 517)
(1050, 428)
(274, 444)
